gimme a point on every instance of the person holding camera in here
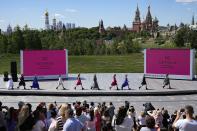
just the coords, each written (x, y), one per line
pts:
(2, 120)
(187, 124)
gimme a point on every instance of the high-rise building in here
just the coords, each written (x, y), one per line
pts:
(54, 24)
(101, 27)
(193, 21)
(73, 26)
(68, 26)
(47, 26)
(9, 30)
(59, 25)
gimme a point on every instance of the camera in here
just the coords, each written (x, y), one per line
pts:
(182, 110)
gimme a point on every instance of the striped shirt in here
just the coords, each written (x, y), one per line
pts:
(60, 123)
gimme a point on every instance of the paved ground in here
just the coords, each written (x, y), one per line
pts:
(104, 80)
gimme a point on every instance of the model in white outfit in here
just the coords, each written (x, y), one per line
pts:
(10, 84)
(60, 83)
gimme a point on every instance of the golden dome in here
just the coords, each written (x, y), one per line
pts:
(46, 13)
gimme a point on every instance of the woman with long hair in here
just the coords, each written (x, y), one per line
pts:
(23, 115)
(62, 117)
(122, 122)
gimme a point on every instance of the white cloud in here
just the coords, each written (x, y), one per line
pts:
(71, 10)
(2, 21)
(57, 15)
(186, 1)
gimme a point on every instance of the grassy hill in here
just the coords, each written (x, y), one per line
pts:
(89, 64)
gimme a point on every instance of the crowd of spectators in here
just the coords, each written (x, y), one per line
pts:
(83, 116)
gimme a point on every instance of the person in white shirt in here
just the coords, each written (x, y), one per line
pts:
(10, 84)
(60, 83)
(72, 124)
(141, 121)
(188, 124)
(81, 117)
(53, 121)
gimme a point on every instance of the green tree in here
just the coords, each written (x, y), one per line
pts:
(17, 40)
(3, 44)
(181, 37)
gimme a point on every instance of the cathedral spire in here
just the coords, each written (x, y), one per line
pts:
(137, 15)
(101, 27)
(148, 16)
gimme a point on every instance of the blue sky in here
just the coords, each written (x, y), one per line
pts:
(87, 13)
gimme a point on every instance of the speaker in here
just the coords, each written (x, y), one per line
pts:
(5, 74)
(13, 71)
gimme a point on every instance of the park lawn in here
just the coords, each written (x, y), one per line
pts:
(106, 64)
(89, 64)
(132, 63)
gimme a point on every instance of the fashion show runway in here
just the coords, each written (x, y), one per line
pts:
(48, 88)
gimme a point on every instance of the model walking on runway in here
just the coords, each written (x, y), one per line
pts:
(79, 82)
(126, 83)
(95, 83)
(60, 83)
(143, 82)
(22, 82)
(10, 84)
(167, 81)
(114, 82)
(35, 83)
